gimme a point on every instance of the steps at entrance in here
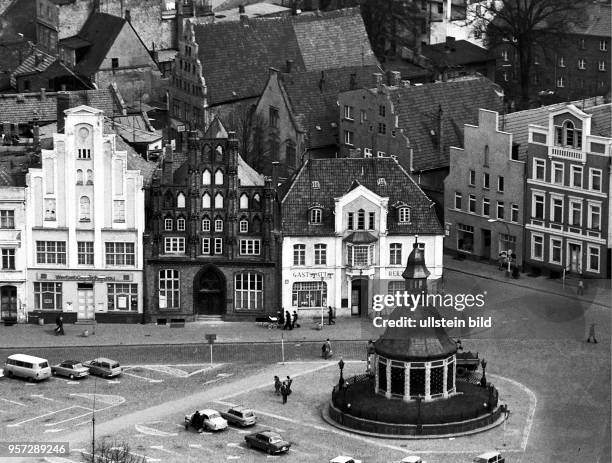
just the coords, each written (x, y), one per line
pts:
(85, 322)
(209, 319)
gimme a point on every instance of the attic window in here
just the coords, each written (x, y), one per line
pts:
(315, 185)
(318, 127)
(381, 182)
(316, 216)
(403, 214)
(114, 63)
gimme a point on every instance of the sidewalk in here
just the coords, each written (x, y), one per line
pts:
(597, 291)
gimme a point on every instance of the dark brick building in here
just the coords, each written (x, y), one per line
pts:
(212, 246)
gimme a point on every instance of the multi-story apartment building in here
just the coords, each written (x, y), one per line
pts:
(483, 193)
(212, 248)
(568, 192)
(85, 222)
(13, 248)
(348, 227)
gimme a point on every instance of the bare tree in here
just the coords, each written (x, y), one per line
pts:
(526, 27)
(113, 452)
(250, 133)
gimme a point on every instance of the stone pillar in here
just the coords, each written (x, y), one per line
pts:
(427, 380)
(388, 391)
(407, 381)
(444, 378)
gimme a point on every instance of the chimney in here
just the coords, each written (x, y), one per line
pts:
(244, 19)
(450, 43)
(43, 94)
(353, 81)
(405, 83)
(241, 9)
(128, 16)
(378, 81)
(289, 66)
(396, 78)
(63, 103)
(275, 174)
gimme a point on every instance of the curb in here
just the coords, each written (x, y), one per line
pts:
(548, 291)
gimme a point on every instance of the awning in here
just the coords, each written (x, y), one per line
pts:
(360, 237)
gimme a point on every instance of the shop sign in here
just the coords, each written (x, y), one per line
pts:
(395, 273)
(69, 277)
(313, 275)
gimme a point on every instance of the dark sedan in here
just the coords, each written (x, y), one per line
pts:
(70, 368)
(268, 441)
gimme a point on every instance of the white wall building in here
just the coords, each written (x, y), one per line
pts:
(348, 228)
(85, 222)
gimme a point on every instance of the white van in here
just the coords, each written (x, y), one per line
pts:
(27, 366)
(490, 457)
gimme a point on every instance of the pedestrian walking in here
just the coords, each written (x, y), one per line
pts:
(277, 385)
(326, 349)
(294, 323)
(580, 289)
(280, 317)
(288, 383)
(284, 393)
(592, 334)
(59, 322)
(330, 316)
(288, 325)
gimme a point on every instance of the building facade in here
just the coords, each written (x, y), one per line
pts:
(85, 222)
(483, 193)
(568, 193)
(348, 226)
(212, 247)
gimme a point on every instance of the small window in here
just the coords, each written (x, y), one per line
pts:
(315, 185)
(581, 64)
(381, 182)
(244, 226)
(457, 200)
(486, 156)
(180, 200)
(367, 152)
(486, 180)
(472, 179)
(603, 45)
(218, 225)
(500, 184)
(114, 63)
(316, 216)
(348, 112)
(206, 224)
(206, 177)
(168, 223)
(219, 177)
(382, 110)
(244, 201)
(382, 128)
(218, 201)
(404, 214)
(180, 224)
(348, 137)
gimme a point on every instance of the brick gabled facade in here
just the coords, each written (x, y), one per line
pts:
(212, 245)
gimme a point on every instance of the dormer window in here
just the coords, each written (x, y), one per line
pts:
(568, 135)
(403, 214)
(316, 216)
(316, 185)
(381, 182)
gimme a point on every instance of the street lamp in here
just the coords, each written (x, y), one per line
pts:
(508, 250)
(322, 305)
(341, 366)
(483, 380)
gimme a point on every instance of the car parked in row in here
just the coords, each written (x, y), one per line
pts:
(490, 457)
(268, 441)
(240, 416)
(344, 459)
(71, 369)
(206, 419)
(104, 367)
(27, 366)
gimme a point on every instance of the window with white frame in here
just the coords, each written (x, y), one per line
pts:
(595, 179)
(350, 221)
(244, 201)
(320, 254)
(218, 245)
(50, 209)
(174, 244)
(593, 259)
(309, 294)
(555, 250)
(169, 289)
(348, 137)
(537, 206)
(205, 224)
(601, 65)
(514, 213)
(248, 291)
(404, 214)
(85, 252)
(180, 200)
(218, 201)
(556, 209)
(244, 226)
(7, 218)
(457, 200)
(371, 220)
(180, 224)
(205, 201)
(472, 203)
(576, 176)
(472, 178)
(250, 247)
(500, 184)
(360, 219)
(561, 61)
(603, 45)
(120, 253)
(168, 224)
(206, 177)
(119, 211)
(381, 154)
(581, 63)
(316, 216)
(8, 258)
(575, 213)
(557, 173)
(594, 218)
(218, 177)
(218, 225)
(360, 255)
(539, 169)
(395, 254)
(348, 112)
(500, 210)
(537, 247)
(486, 203)
(51, 252)
(367, 152)
(485, 180)
(299, 254)
(48, 296)
(560, 82)
(465, 237)
(206, 246)
(122, 296)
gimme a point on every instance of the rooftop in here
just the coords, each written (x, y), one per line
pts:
(456, 53)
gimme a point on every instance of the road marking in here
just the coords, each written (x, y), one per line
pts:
(225, 375)
(58, 460)
(233, 457)
(53, 430)
(153, 432)
(13, 402)
(42, 416)
(144, 378)
(40, 396)
(81, 423)
(210, 381)
(195, 446)
(108, 399)
(162, 449)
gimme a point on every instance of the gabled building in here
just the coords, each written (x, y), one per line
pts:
(568, 192)
(348, 226)
(223, 64)
(85, 223)
(459, 58)
(483, 194)
(296, 117)
(212, 248)
(417, 124)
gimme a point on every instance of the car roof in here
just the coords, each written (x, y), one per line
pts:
(207, 411)
(26, 358)
(104, 359)
(341, 459)
(490, 454)
(71, 362)
(241, 408)
(270, 434)
(410, 459)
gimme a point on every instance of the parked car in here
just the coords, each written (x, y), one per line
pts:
(210, 420)
(411, 459)
(240, 416)
(268, 441)
(490, 457)
(27, 366)
(103, 367)
(344, 459)
(70, 368)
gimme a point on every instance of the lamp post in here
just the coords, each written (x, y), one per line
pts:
(341, 366)
(508, 250)
(483, 380)
(322, 305)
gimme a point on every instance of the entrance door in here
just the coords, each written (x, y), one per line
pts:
(8, 303)
(575, 258)
(85, 297)
(209, 292)
(359, 296)
(486, 244)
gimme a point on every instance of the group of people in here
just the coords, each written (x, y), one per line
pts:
(283, 388)
(288, 320)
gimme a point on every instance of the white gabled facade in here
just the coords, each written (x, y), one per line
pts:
(85, 222)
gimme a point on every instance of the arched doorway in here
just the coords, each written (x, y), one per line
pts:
(209, 292)
(8, 303)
